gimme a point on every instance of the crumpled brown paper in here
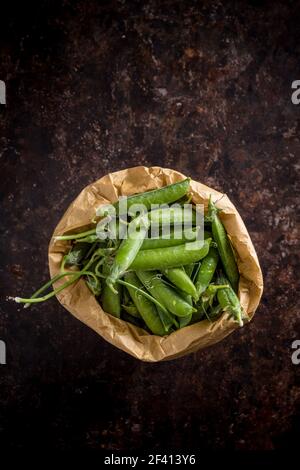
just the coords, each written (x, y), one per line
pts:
(78, 299)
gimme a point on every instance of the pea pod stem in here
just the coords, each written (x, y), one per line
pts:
(51, 294)
(74, 276)
(75, 236)
(91, 274)
(46, 286)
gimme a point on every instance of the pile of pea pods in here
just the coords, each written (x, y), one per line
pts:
(158, 283)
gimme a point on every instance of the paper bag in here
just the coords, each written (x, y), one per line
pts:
(79, 300)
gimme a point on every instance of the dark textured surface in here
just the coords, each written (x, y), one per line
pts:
(202, 87)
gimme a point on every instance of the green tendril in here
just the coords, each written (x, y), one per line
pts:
(97, 272)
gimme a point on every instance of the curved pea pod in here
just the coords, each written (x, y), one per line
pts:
(165, 294)
(145, 307)
(206, 271)
(129, 248)
(180, 279)
(111, 301)
(224, 246)
(166, 195)
(229, 301)
(170, 257)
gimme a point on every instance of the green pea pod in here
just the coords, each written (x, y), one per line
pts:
(229, 301)
(144, 306)
(172, 215)
(129, 248)
(166, 195)
(206, 271)
(111, 301)
(224, 246)
(170, 257)
(174, 238)
(165, 294)
(181, 280)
